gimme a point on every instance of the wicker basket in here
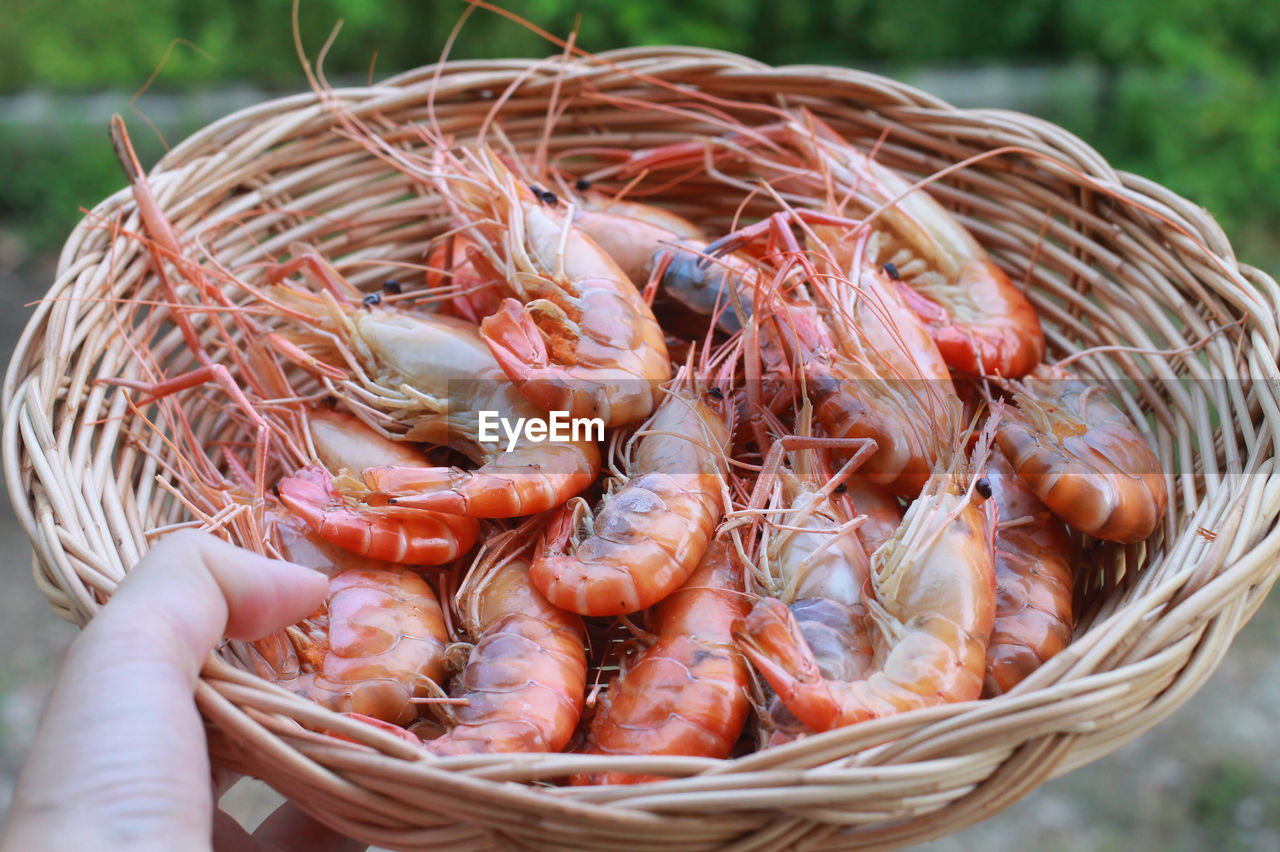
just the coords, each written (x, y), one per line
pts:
(1109, 258)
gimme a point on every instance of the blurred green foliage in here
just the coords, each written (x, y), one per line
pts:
(1191, 94)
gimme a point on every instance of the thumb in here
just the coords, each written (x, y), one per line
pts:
(120, 759)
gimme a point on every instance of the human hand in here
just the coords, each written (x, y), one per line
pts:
(120, 760)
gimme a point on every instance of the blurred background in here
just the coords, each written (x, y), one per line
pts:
(1182, 92)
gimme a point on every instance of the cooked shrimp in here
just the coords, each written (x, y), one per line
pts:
(578, 338)
(686, 694)
(436, 375)
(377, 643)
(1083, 457)
(1033, 557)
(651, 529)
(379, 639)
(934, 586)
(981, 323)
(868, 374)
(525, 679)
(811, 558)
(405, 536)
(326, 497)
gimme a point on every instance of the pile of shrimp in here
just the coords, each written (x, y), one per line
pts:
(833, 477)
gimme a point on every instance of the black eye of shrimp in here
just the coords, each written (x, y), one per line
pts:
(891, 271)
(582, 185)
(716, 393)
(840, 489)
(983, 487)
(392, 287)
(546, 196)
(371, 300)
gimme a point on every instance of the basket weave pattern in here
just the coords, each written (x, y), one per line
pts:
(1109, 259)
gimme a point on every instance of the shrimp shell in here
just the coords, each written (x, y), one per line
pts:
(578, 338)
(934, 584)
(686, 694)
(377, 643)
(405, 536)
(526, 677)
(650, 533)
(1083, 457)
(1033, 557)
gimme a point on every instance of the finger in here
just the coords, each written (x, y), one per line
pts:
(121, 753)
(205, 588)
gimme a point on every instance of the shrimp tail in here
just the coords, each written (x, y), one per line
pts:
(419, 538)
(771, 639)
(514, 339)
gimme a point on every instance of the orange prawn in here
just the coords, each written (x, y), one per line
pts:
(934, 606)
(409, 537)
(868, 373)
(376, 644)
(437, 375)
(980, 322)
(811, 558)
(651, 529)
(808, 547)
(1034, 583)
(1083, 457)
(326, 497)
(427, 540)
(525, 680)
(686, 694)
(579, 338)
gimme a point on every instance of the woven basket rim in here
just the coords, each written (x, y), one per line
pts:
(1139, 660)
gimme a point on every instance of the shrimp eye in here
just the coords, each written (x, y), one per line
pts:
(891, 271)
(582, 185)
(716, 393)
(371, 299)
(392, 287)
(840, 489)
(983, 487)
(546, 196)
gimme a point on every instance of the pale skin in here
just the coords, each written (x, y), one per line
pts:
(120, 760)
